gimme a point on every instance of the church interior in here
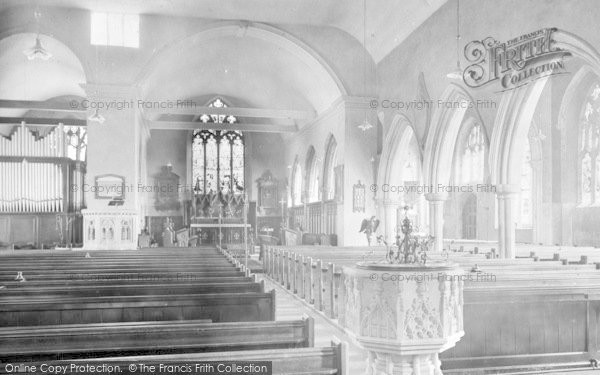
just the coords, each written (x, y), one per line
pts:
(300, 187)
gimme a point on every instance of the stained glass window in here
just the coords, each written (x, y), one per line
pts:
(526, 198)
(589, 150)
(473, 157)
(76, 137)
(218, 156)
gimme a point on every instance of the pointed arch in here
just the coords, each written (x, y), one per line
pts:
(511, 127)
(470, 154)
(329, 163)
(311, 176)
(296, 179)
(443, 134)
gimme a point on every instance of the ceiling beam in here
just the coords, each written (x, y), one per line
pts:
(72, 106)
(191, 125)
(43, 121)
(192, 110)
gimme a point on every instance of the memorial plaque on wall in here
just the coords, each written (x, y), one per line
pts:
(109, 186)
(358, 197)
(268, 194)
(166, 185)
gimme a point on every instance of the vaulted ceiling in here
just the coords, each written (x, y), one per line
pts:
(387, 22)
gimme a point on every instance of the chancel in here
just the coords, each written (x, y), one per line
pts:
(326, 187)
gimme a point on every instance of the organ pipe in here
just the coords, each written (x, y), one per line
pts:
(35, 173)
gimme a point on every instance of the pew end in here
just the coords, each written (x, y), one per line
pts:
(340, 349)
(309, 330)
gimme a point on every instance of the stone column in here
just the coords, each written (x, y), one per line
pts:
(436, 218)
(390, 209)
(113, 151)
(507, 195)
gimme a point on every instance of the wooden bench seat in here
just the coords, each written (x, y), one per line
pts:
(99, 276)
(298, 361)
(117, 339)
(229, 307)
(540, 312)
(189, 279)
(114, 268)
(23, 291)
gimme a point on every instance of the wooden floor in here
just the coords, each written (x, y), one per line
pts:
(289, 307)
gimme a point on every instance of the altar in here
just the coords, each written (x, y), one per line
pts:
(219, 218)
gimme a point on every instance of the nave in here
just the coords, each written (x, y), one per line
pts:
(144, 307)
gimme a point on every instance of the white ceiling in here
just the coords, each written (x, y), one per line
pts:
(388, 22)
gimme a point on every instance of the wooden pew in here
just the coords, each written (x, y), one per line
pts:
(23, 291)
(558, 302)
(525, 328)
(299, 361)
(100, 276)
(189, 279)
(229, 307)
(118, 339)
(277, 265)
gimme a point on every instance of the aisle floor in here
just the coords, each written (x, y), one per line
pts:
(289, 307)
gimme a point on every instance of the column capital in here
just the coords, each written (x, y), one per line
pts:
(432, 197)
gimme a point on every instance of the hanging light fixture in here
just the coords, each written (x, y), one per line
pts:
(365, 125)
(97, 117)
(37, 51)
(457, 73)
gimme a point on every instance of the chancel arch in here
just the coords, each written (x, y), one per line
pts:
(248, 43)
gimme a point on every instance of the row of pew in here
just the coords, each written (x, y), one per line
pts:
(531, 314)
(150, 306)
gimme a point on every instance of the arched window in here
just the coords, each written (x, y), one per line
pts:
(76, 137)
(589, 150)
(526, 195)
(218, 156)
(472, 160)
(312, 176)
(329, 169)
(296, 184)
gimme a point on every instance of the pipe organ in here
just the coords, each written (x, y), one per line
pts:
(39, 176)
